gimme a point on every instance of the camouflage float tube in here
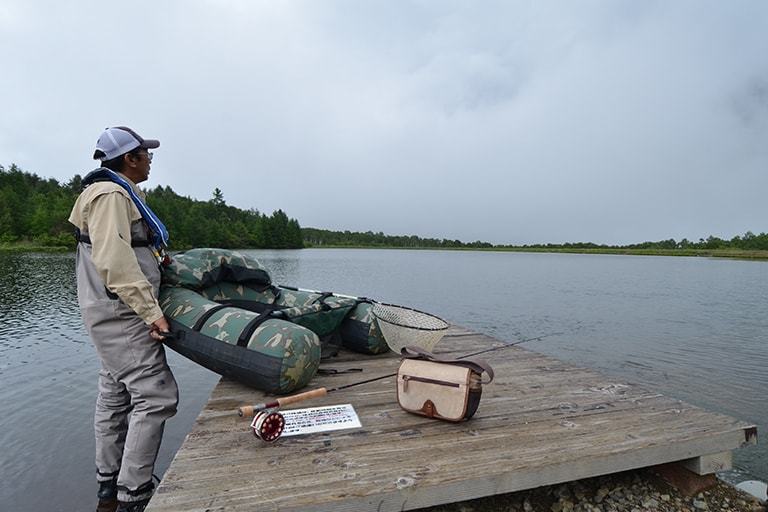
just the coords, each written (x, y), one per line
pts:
(228, 316)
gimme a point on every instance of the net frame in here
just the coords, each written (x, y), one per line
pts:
(402, 326)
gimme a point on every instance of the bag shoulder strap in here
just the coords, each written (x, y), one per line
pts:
(476, 365)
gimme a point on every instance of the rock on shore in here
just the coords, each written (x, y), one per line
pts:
(631, 491)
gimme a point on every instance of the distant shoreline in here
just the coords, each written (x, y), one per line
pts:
(711, 253)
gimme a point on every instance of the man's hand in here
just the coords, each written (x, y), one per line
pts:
(158, 326)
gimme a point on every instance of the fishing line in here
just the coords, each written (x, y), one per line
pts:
(507, 345)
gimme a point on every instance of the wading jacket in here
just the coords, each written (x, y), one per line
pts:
(106, 214)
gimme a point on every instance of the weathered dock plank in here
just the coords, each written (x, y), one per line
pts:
(540, 422)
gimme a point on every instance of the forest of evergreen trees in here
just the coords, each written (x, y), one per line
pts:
(34, 212)
(323, 237)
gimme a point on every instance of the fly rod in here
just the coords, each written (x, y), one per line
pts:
(317, 393)
(268, 424)
(307, 395)
(507, 345)
(330, 294)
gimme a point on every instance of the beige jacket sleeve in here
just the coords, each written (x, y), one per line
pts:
(109, 229)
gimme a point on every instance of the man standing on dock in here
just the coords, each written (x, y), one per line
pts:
(119, 253)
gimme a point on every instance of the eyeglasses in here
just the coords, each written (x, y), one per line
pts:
(149, 155)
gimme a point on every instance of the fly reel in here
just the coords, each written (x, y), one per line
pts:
(268, 425)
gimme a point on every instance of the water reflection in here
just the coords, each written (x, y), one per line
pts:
(37, 293)
(48, 373)
(691, 328)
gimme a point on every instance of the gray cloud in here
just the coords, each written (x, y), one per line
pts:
(750, 103)
(511, 122)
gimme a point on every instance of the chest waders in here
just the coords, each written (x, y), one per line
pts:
(137, 391)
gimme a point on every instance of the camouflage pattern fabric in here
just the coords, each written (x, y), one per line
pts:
(293, 322)
(321, 318)
(198, 269)
(236, 293)
(297, 347)
(360, 331)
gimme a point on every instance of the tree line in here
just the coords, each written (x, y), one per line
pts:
(747, 242)
(34, 211)
(322, 237)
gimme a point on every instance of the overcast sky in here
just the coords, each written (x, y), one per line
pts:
(512, 122)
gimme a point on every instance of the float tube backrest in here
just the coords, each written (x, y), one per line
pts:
(198, 269)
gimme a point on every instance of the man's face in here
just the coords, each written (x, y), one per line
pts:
(139, 165)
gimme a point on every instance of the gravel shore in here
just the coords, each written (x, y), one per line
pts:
(631, 491)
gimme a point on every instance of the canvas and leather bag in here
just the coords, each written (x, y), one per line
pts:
(435, 387)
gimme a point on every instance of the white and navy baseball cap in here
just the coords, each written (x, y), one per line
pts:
(119, 140)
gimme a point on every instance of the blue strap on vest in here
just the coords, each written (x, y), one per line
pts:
(157, 226)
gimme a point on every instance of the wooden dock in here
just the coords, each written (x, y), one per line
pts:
(540, 422)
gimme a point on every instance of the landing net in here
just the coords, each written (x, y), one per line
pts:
(402, 326)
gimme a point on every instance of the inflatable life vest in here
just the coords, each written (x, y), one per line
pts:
(160, 238)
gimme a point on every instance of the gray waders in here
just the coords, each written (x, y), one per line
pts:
(137, 391)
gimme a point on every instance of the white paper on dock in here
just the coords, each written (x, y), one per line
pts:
(319, 419)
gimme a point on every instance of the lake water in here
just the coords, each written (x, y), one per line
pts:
(691, 328)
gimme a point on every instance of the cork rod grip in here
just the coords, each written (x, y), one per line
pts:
(250, 410)
(307, 395)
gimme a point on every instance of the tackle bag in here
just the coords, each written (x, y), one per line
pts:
(447, 389)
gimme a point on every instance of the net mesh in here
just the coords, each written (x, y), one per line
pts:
(403, 326)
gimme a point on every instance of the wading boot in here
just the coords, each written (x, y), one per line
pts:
(132, 506)
(107, 490)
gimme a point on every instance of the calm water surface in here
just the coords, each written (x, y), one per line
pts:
(691, 328)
